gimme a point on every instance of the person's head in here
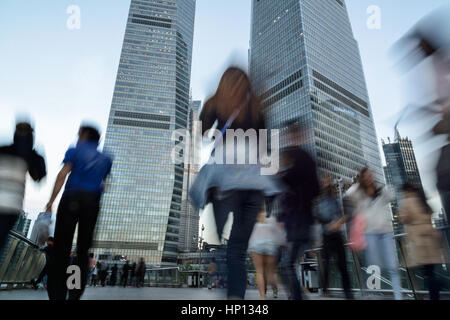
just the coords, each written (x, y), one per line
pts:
(91, 255)
(327, 185)
(72, 254)
(234, 91)
(411, 191)
(366, 178)
(50, 241)
(24, 135)
(88, 133)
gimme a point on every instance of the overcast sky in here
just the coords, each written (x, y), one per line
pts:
(59, 77)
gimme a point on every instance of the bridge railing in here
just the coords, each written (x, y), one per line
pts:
(412, 278)
(20, 262)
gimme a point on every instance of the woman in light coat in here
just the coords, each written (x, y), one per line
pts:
(424, 243)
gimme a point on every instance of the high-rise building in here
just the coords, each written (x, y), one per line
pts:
(306, 64)
(141, 206)
(189, 220)
(401, 167)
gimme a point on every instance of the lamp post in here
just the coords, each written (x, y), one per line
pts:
(201, 245)
(341, 201)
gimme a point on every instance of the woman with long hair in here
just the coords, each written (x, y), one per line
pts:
(233, 186)
(424, 243)
(373, 202)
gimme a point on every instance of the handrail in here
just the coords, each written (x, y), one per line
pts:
(21, 237)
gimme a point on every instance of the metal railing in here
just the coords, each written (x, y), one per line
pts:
(20, 262)
(413, 283)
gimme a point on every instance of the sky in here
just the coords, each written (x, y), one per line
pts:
(59, 77)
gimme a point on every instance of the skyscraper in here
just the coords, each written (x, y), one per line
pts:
(401, 167)
(141, 206)
(189, 220)
(306, 64)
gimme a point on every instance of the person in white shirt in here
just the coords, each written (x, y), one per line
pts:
(373, 203)
(264, 245)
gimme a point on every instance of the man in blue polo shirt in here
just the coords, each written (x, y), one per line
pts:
(80, 203)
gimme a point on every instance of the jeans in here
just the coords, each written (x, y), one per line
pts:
(245, 206)
(381, 251)
(333, 245)
(7, 222)
(289, 257)
(81, 208)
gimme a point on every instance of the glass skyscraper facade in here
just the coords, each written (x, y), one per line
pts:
(189, 220)
(141, 206)
(401, 167)
(306, 64)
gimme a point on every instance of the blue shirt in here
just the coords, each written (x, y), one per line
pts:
(328, 210)
(89, 167)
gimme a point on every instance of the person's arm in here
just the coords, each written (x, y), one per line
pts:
(60, 180)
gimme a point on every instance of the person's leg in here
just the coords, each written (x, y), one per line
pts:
(258, 261)
(432, 282)
(66, 220)
(87, 219)
(342, 265)
(326, 252)
(271, 276)
(248, 205)
(7, 222)
(390, 259)
(288, 269)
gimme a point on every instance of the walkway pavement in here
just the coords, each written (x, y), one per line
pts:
(119, 293)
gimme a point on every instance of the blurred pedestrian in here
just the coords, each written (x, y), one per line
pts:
(424, 243)
(299, 174)
(103, 272)
(124, 274)
(141, 268)
(234, 187)
(212, 274)
(87, 169)
(94, 277)
(113, 278)
(15, 161)
(373, 203)
(133, 274)
(92, 263)
(264, 245)
(330, 215)
(49, 251)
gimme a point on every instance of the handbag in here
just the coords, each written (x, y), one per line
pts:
(357, 238)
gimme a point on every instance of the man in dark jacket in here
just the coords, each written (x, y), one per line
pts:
(15, 161)
(124, 274)
(330, 215)
(300, 176)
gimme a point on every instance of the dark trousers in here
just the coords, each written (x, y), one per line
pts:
(81, 208)
(124, 280)
(42, 274)
(288, 272)
(7, 222)
(432, 281)
(333, 245)
(245, 206)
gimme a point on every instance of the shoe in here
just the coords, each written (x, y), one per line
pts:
(34, 284)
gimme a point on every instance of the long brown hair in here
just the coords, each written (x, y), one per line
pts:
(234, 90)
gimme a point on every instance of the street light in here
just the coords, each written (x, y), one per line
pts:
(201, 245)
(341, 201)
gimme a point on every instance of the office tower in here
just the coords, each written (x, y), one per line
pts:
(141, 206)
(306, 64)
(189, 220)
(401, 167)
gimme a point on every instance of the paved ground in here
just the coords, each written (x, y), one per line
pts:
(118, 293)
